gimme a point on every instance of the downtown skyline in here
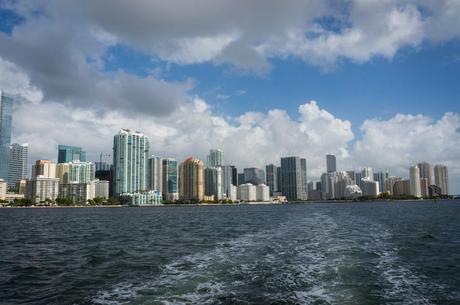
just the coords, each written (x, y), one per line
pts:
(374, 99)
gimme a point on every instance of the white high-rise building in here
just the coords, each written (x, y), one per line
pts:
(75, 172)
(155, 174)
(370, 187)
(441, 178)
(215, 158)
(414, 177)
(101, 189)
(247, 192)
(130, 157)
(19, 154)
(41, 188)
(262, 192)
(368, 173)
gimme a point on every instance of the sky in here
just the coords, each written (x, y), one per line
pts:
(376, 82)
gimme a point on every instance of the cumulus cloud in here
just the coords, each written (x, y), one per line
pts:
(408, 139)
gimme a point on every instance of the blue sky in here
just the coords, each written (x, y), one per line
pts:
(208, 74)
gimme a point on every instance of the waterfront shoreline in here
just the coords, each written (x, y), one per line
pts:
(225, 204)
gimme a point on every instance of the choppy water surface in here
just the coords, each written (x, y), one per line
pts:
(363, 253)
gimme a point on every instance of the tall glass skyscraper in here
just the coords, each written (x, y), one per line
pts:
(170, 187)
(130, 160)
(68, 153)
(215, 158)
(6, 116)
(19, 154)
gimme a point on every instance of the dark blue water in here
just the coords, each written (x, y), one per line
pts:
(362, 253)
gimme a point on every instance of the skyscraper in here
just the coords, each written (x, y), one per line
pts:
(227, 180)
(19, 154)
(381, 177)
(6, 117)
(425, 171)
(213, 182)
(130, 157)
(170, 185)
(155, 174)
(414, 175)
(331, 163)
(303, 175)
(215, 158)
(68, 153)
(441, 178)
(368, 173)
(254, 175)
(191, 180)
(292, 178)
(272, 179)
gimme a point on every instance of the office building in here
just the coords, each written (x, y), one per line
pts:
(141, 198)
(78, 192)
(368, 173)
(3, 188)
(271, 178)
(19, 153)
(213, 182)
(44, 168)
(331, 163)
(101, 189)
(68, 153)
(381, 177)
(424, 187)
(279, 178)
(227, 180)
(41, 188)
(441, 178)
(215, 158)
(247, 192)
(262, 192)
(155, 174)
(303, 176)
(240, 179)
(170, 185)
(6, 117)
(234, 175)
(21, 186)
(341, 181)
(191, 180)
(254, 176)
(390, 183)
(292, 182)
(401, 188)
(425, 171)
(130, 157)
(414, 175)
(75, 172)
(370, 187)
(328, 181)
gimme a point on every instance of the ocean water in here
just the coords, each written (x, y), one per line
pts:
(324, 253)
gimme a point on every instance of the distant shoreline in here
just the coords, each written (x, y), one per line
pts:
(224, 204)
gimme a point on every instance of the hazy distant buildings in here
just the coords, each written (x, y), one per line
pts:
(215, 158)
(271, 178)
(191, 180)
(331, 163)
(170, 176)
(19, 154)
(130, 157)
(68, 153)
(441, 178)
(414, 176)
(6, 115)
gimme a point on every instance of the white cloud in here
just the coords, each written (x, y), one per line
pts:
(403, 140)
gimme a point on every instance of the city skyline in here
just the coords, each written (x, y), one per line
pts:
(321, 77)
